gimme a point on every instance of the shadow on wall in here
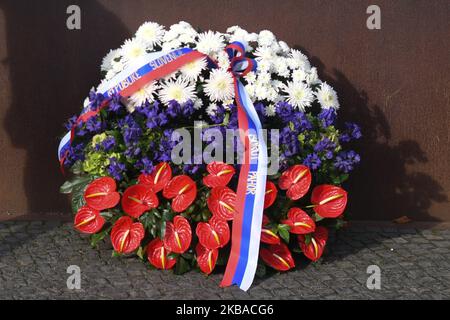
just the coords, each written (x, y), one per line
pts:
(381, 187)
(51, 69)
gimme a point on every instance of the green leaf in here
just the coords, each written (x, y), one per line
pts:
(307, 239)
(182, 266)
(76, 182)
(162, 229)
(115, 254)
(140, 253)
(284, 234)
(95, 238)
(317, 218)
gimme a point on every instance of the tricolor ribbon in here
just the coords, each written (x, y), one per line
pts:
(246, 232)
(151, 67)
(242, 263)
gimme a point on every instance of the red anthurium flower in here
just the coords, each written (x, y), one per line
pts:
(159, 177)
(214, 234)
(314, 249)
(137, 199)
(299, 221)
(182, 190)
(329, 201)
(296, 180)
(219, 174)
(157, 255)
(222, 202)
(126, 236)
(267, 235)
(178, 235)
(271, 194)
(206, 258)
(278, 257)
(88, 220)
(101, 194)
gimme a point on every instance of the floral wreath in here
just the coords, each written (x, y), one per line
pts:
(179, 216)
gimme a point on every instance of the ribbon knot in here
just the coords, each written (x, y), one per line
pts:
(240, 65)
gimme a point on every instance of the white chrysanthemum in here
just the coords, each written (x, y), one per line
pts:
(272, 94)
(219, 86)
(270, 110)
(170, 45)
(110, 74)
(250, 89)
(284, 47)
(261, 90)
(170, 35)
(223, 60)
(210, 42)
(281, 68)
(211, 109)
(150, 33)
(299, 95)
(264, 78)
(132, 49)
(266, 38)
(188, 37)
(117, 66)
(264, 54)
(299, 60)
(327, 97)
(146, 93)
(180, 90)
(109, 58)
(250, 77)
(198, 103)
(312, 77)
(192, 70)
(298, 75)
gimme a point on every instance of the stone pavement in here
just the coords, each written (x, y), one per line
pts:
(34, 256)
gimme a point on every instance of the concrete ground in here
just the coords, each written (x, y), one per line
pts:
(414, 264)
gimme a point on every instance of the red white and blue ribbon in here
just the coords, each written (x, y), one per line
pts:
(150, 67)
(246, 232)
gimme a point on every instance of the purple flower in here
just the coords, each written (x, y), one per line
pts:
(352, 132)
(300, 122)
(312, 161)
(284, 111)
(346, 160)
(173, 109)
(108, 143)
(188, 109)
(145, 165)
(94, 125)
(219, 114)
(115, 105)
(132, 151)
(71, 122)
(131, 131)
(116, 169)
(75, 153)
(327, 117)
(324, 145)
(95, 100)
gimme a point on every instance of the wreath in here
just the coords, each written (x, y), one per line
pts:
(126, 187)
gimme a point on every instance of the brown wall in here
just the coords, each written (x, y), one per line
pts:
(394, 81)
